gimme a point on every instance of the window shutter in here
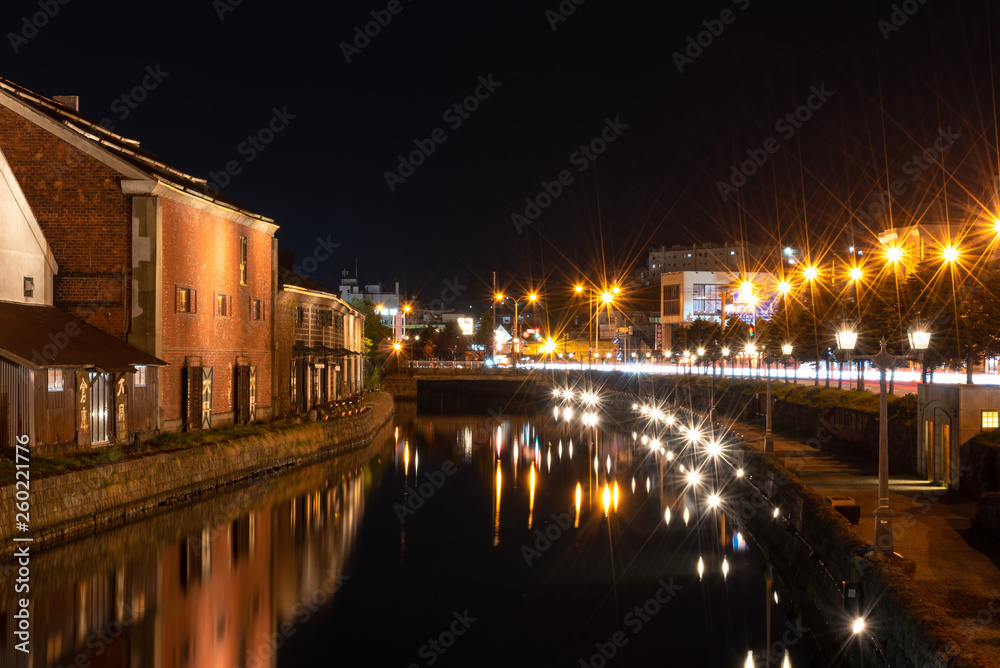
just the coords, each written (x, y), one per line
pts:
(193, 397)
(206, 397)
(242, 408)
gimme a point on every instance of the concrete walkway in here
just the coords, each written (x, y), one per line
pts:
(957, 566)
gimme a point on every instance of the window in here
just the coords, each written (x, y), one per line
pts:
(140, 376)
(300, 315)
(223, 305)
(256, 309)
(56, 381)
(325, 318)
(671, 300)
(991, 420)
(186, 300)
(707, 299)
(29, 286)
(243, 260)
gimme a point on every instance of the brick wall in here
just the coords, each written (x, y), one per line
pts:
(202, 251)
(85, 218)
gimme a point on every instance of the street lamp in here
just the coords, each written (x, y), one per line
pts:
(531, 298)
(884, 361)
(750, 350)
(786, 351)
(920, 339)
(606, 298)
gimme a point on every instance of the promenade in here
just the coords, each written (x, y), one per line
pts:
(957, 565)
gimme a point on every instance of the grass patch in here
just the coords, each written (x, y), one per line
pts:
(814, 396)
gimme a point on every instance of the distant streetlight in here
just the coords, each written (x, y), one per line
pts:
(893, 255)
(516, 341)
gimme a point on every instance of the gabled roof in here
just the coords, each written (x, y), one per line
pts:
(44, 337)
(74, 127)
(291, 280)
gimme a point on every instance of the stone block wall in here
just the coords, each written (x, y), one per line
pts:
(82, 502)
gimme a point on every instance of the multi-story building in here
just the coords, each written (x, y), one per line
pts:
(712, 295)
(150, 256)
(64, 384)
(731, 257)
(319, 349)
(387, 304)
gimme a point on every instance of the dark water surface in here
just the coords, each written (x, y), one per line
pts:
(454, 541)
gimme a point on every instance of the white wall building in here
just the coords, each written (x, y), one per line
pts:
(28, 262)
(687, 295)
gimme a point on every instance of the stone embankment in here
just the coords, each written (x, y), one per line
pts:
(816, 551)
(65, 506)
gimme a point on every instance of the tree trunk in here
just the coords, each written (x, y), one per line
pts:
(970, 360)
(892, 380)
(840, 375)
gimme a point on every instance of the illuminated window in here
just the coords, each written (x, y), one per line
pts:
(56, 381)
(243, 260)
(140, 376)
(991, 420)
(223, 305)
(186, 300)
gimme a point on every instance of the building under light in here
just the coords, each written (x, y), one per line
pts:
(688, 295)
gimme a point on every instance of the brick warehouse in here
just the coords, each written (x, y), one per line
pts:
(151, 256)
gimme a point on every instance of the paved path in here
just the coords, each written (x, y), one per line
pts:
(957, 566)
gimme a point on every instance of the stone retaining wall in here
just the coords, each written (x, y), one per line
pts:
(82, 502)
(818, 550)
(833, 428)
(980, 472)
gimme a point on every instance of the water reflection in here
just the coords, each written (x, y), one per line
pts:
(212, 584)
(254, 577)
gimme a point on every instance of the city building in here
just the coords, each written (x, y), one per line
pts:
(151, 256)
(948, 417)
(319, 349)
(687, 295)
(728, 257)
(387, 304)
(64, 384)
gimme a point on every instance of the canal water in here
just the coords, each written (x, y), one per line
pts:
(454, 540)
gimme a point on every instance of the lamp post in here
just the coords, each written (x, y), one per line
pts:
(884, 361)
(786, 351)
(531, 298)
(606, 297)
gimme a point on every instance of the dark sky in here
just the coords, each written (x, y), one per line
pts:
(880, 95)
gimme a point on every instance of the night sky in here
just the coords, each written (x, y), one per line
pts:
(880, 82)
